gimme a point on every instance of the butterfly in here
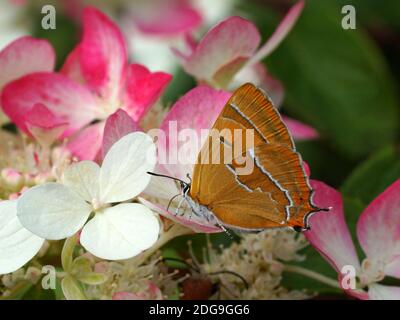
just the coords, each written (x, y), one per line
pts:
(276, 192)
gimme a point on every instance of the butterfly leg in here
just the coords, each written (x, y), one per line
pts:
(179, 207)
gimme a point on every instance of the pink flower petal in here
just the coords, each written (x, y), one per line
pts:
(118, 125)
(23, 56)
(329, 233)
(40, 116)
(152, 293)
(166, 17)
(191, 45)
(44, 126)
(196, 226)
(231, 40)
(258, 75)
(306, 168)
(144, 88)
(154, 290)
(72, 66)
(358, 294)
(279, 34)
(86, 144)
(197, 110)
(381, 292)
(103, 55)
(123, 295)
(300, 131)
(67, 100)
(378, 229)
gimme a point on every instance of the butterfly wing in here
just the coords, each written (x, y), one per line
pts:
(246, 202)
(250, 108)
(276, 193)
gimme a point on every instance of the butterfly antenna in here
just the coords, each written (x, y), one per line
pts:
(165, 176)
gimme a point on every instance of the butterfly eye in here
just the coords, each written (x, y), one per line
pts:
(185, 187)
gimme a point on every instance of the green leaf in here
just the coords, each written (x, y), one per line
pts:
(373, 176)
(180, 84)
(325, 164)
(71, 289)
(336, 80)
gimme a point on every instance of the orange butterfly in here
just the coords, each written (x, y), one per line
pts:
(276, 193)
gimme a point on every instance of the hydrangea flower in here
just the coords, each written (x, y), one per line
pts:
(94, 82)
(227, 56)
(17, 244)
(153, 27)
(378, 232)
(21, 57)
(118, 230)
(230, 47)
(165, 17)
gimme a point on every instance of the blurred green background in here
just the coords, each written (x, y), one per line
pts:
(344, 83)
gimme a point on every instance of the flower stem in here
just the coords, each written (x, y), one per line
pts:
(312, 275)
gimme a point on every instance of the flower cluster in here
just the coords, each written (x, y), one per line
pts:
(260, 260)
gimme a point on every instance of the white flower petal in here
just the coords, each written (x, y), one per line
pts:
(381, 292)
(123, 174)
(52, 211)
(17, 245)
(120, 232)
(83, 178)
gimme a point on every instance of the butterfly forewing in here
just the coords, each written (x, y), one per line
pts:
(250, 108)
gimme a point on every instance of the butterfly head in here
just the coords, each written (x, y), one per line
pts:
(185, 186)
